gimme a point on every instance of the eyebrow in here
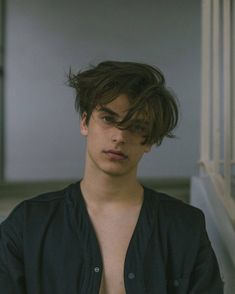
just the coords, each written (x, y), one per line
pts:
(140, 121)
(107, 110)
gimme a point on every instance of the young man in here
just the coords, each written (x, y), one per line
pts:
(108, 234)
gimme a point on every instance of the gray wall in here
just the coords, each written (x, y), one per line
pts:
(45, 38)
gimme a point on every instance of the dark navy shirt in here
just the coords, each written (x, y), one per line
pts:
(48, 246)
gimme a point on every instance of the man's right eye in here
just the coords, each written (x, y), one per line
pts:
(108, 119)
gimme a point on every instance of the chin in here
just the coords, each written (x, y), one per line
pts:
(114, 169)
(116, 172)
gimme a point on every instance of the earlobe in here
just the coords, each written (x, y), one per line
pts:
(83, 124)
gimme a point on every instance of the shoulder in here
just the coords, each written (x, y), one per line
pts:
(42, 205)
(175, 213)
(180, 225)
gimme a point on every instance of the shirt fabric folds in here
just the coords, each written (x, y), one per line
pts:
(48, 245)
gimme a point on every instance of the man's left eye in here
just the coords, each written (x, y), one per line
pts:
(140, 129)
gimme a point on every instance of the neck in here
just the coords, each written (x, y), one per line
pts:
(103, 188)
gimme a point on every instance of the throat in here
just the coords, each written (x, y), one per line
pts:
(107, 192)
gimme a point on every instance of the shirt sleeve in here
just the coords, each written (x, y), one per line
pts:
(205, 278)
(11, 255)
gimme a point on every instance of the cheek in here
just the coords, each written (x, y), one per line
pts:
(137, 154)
(95, 137)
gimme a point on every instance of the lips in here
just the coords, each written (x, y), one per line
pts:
(115, 155)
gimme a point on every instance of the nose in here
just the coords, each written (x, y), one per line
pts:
(118, 136)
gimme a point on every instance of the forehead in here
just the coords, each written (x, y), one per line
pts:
(121, 106)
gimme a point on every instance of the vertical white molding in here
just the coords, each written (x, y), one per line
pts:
(216, 86)
(215, 75)
(206, 81)
(227, 95)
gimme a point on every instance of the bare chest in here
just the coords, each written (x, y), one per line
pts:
(114, 232)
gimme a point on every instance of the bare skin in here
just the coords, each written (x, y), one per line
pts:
(114, 222)
(111, 190)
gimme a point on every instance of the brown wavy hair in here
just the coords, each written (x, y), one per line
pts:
(143, 84)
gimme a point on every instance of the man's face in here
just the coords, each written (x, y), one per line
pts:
(111, 150)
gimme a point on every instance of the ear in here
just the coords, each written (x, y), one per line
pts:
(83, 125)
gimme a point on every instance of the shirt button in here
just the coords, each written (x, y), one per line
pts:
(176, 283)
(96, 269)
(131, 276)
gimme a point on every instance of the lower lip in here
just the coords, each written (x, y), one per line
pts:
(115, 156)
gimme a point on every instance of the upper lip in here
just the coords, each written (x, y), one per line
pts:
(115, 152)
